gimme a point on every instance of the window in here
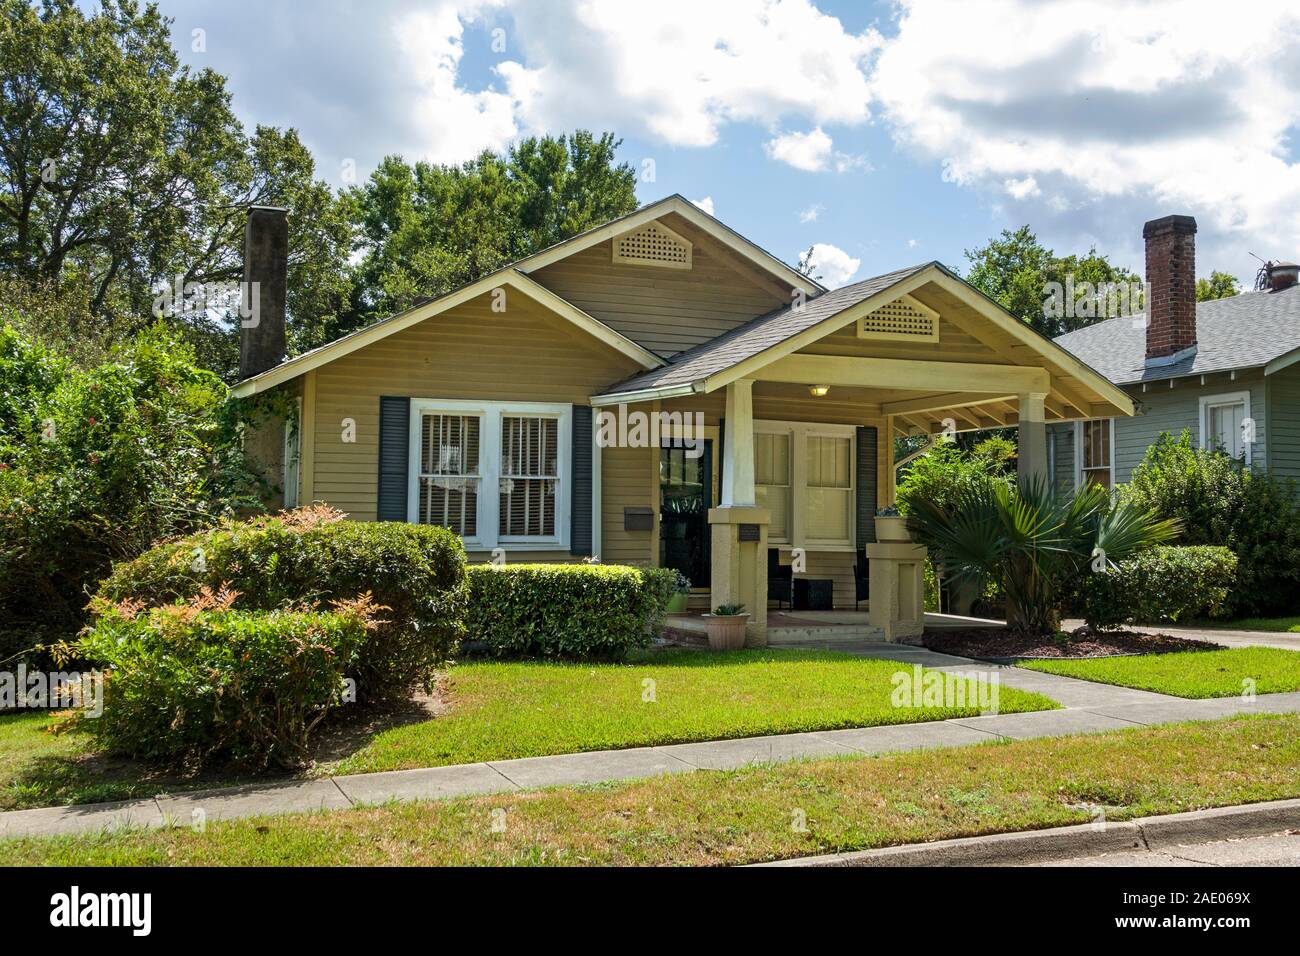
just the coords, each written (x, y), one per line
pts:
(292, 455)
(492, 472)
(1094, 447)
(772, 482)
(829, 507)
(803, 473)
(1226, 424)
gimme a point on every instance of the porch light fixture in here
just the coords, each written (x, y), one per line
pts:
(818, 391)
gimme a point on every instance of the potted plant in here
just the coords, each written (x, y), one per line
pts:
(727, 627)
(681, 593)
(891, 525)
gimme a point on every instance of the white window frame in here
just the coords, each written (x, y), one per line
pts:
(1078, 451)
(799, 433)
(1227, 398)
(488, 516)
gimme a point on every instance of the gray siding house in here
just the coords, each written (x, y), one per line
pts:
(1228, 370)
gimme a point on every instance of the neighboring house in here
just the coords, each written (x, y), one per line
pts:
(484, 410)
(1224, 369)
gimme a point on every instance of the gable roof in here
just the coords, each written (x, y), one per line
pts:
(1248, 330)
(515, 274)
(778, 333)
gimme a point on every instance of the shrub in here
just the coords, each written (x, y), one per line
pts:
(566, 610)
(1159, 585)
(96, 464)
(312, 555)
(193, 684)
(1221, 502)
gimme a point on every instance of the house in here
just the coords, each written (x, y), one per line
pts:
(514, 410)
(1225, 369)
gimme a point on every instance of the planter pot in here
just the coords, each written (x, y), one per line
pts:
(727, 631)
(677, 603)
(892, 529)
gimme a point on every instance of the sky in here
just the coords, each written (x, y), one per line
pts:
(882, 134)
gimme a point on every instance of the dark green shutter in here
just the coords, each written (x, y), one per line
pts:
(866, 504)
(394, 454)
(580, 510)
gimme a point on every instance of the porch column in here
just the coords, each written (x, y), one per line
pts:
(738, 526)
(1032, 455)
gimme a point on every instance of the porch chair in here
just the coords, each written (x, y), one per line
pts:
(780, 579)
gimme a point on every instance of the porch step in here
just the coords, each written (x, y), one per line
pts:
(843, 634)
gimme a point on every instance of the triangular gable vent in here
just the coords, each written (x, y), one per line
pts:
(904, 319)
(653, 245)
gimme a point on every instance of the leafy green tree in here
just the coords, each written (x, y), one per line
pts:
(1220, 285)
(427, 229)
(1016, 270)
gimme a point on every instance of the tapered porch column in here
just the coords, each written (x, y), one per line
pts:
(738, 525)
(1032, 456)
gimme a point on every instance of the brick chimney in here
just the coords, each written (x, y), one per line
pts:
(266, 263)
(1171, 289)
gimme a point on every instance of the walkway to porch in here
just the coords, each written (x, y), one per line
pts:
(817, 629)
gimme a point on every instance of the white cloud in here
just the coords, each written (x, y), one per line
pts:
(833, 264)
(706, 204)
(1101, 116)
(911, 243)
(808, 151)
(811, 213)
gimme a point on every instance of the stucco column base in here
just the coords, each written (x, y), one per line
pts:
(739, 571)
(897, 596)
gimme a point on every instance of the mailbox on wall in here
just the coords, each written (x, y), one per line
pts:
(638, 518)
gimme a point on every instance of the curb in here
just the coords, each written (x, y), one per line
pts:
(1040, 846)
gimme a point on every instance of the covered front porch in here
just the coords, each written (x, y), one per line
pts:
(798, 416)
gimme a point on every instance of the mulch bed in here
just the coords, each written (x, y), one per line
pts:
(1000, 643)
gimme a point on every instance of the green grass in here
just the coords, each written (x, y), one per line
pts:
(1287, 625)
(1189, 673)
(504, 710)
(711, 817)
(526, 709)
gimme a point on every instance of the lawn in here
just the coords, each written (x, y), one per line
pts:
(504, 710)
(714, 817)
(524, 709)
(1190, 673)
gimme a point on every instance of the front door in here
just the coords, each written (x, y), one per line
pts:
(685, 495)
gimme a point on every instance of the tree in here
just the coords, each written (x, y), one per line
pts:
(121, 170)
(1220, 285)
(426, 229)
(1054, 294)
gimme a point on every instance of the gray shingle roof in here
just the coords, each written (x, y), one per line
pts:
(1244, 331)
(758, 335)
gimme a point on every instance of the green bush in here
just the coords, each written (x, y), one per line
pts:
(312, 555)
(96, 464)
(566, 610)
(1160, 585)
(1221, 502)
(191, 685)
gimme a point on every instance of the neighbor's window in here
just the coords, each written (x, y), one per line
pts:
(530, 476)
(772, 482)
(829, 503)
(1094, 449)
(1224, 421)
(449, 472)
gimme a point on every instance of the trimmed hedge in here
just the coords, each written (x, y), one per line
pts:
(1162, 584)
(309, 556)
(192, 687)
(566, 610)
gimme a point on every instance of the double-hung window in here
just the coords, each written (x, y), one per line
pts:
(1226, 424)
(1095, 447)
(803, 474)
(495, 473)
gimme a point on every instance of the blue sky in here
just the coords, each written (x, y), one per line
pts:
(886, 133)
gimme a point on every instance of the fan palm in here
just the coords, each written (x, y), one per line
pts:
(1037, 543)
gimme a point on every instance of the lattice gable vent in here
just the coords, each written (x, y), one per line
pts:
(653, 245)
(904, 319)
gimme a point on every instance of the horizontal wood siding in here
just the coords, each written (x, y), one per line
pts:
(665, 310)
(1061, 447)
(626, 478)
(469, 352)
(1283, 396)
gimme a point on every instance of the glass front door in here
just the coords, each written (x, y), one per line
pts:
(685, 494)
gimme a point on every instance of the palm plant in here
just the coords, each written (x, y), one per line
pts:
(1037, 543)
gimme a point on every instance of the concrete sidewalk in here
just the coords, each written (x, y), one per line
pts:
(1088, 708)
